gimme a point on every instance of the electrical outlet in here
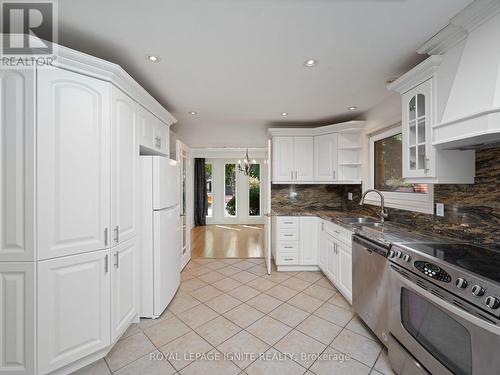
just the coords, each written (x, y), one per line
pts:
(349, 196)
(439, 209)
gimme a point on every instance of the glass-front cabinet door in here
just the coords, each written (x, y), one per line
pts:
(417, 122)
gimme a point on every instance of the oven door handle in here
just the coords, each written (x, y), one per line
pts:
(445, 305)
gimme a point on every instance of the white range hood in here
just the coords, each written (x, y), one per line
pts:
(471, 117)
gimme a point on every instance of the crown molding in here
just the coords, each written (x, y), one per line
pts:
(460, 26)
(334, 128)
(422, 72)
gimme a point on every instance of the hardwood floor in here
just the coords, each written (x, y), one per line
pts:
(228, 241)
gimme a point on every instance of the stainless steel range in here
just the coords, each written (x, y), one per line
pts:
(444, 308)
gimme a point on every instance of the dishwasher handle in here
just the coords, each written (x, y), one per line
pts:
(370, 245)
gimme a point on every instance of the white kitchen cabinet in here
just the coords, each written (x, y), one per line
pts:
(124, 296)
(303, 158)
(153, 134)
(162, 137)
(325, 157)
(417, 127)
(69, 143)
(124, 164)
(336, 256)
(73, 163)
(344, 277)
(309, 236)
(17, 323)
(330, 246)
(17, 165)
(74, 308)
(422, 161)
(293, 159)
(283, 159)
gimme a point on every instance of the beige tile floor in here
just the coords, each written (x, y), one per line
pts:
(239, 320)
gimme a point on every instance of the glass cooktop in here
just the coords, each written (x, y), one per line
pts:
(480, 260)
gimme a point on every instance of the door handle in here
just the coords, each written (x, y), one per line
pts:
(117, 233)
(117, 256)
(334, 174)
(106, 236)
(106, 263)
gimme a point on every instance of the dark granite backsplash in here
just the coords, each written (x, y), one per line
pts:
(472, 212)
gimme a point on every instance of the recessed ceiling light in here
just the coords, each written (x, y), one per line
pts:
(284, 113)
(153, 58)
(192, 113)
(310, 63)
(352, 108)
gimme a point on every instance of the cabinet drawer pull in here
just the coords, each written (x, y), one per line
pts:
(288, 222)
(288, 259)
(288, 235)
(105, 236)
(106, 263)
(288, 247)
(117, 263)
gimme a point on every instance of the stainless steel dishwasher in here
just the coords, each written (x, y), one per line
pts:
(369, 284)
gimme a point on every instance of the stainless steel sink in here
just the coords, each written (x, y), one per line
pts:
(360, 220)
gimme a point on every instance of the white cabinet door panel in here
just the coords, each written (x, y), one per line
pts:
(282, 159)
(17, 132)
(331, 258)
(147, 128)
(162, 135)
(325, 157)
(74, 313)
(123, 287)
(308, 254)
(344, 280)
(73, 163)
(17, 318)
(124, 160)
(303, 159)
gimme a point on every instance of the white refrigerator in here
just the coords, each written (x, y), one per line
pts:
(161, 241)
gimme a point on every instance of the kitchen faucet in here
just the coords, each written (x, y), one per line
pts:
(383, 212)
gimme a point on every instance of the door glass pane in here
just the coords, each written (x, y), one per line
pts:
(208, 174)
(441, 335)
(413, 133)
(254, 190)
(230, 204)
(421, 131)
(388, 165)
(420, 105)
(412, 109)
(421, 157)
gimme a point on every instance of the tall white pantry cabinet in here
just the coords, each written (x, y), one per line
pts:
(70, 139)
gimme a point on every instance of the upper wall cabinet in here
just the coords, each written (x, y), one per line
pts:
(294, 159)
(423, 162)
(153, 134)
(329, 154)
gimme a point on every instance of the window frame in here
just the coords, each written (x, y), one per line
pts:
(260, 193)
(417, 202)
(235, 190)
(212, 190)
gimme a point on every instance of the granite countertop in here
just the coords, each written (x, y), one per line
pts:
(389, 234)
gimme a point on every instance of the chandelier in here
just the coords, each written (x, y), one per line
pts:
(244, 166)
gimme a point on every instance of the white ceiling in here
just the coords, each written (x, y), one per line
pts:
(239, 63)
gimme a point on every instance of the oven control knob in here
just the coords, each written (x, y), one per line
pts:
(478, 290)
(398, 254)
(492, 302)
(461, 283)
(406, 258)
